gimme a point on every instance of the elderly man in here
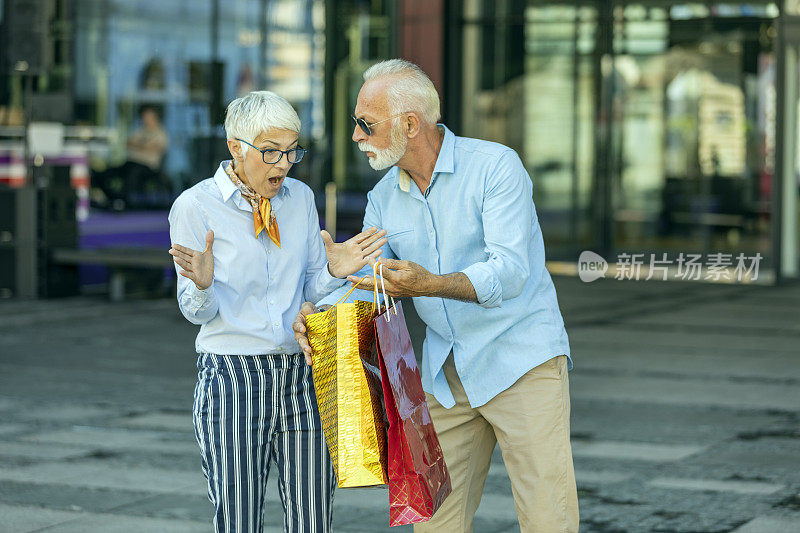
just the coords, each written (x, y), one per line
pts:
(465, 242)
(254, 402)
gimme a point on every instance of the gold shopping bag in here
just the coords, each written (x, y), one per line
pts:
(348, 386)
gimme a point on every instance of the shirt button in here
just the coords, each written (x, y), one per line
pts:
(269, 251)
(272, 302)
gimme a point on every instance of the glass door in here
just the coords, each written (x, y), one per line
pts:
(693, 135)
(560, 84)
(529, 81)
(647, 127)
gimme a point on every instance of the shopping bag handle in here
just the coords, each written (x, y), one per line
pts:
(377, 271)
(348, 293)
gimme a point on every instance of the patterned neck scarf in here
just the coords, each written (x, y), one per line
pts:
(262, 208)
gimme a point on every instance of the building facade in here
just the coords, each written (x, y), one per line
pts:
(650, 129)
(647, 127)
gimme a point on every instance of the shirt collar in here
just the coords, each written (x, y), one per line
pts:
(228, 188)
(444, 161)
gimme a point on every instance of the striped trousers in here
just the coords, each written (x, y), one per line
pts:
(248, 412)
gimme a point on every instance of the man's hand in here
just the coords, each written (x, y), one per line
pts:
(197, 266)
(401, 278)
(299, 327)
(351, 255)
(406, 278)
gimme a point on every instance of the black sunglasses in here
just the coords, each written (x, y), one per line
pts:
(365, 127)
(271, 156)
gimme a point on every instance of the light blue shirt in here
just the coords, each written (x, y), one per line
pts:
(258, 288)
(477, 217)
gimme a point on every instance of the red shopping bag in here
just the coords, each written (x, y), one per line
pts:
(418, 477)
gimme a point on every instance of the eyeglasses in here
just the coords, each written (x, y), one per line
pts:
(365, 127)
(271, 156)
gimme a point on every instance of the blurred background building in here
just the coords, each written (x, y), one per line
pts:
(653, 127)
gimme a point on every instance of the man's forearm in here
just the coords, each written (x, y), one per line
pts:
(455, 286)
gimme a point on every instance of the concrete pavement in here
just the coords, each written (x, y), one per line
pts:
(685, 397)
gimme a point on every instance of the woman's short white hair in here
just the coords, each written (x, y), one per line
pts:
(413, 90)
(256, 112)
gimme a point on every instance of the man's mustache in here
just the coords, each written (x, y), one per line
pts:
(366, 147)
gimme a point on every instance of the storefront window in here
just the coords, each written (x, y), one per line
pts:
(696, 101)
(557, 132)
(184, 61)
(645, 126)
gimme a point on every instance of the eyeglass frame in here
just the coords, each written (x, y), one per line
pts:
(300, 149)
(366, 127)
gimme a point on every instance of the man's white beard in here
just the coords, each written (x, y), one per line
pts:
(387, 157)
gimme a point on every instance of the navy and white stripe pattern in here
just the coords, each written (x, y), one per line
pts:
(248, 412)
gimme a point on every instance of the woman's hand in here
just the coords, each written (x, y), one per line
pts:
(299, 328)
(197, 266)
(351, 255)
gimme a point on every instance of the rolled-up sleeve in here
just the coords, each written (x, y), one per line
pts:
(507, 215)
(188, 227)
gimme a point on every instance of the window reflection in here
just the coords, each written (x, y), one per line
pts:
(645, 126)
(187, 60)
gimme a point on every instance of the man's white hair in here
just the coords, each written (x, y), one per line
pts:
(412, 89)
(256, 112)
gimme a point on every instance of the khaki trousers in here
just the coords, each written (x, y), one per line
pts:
(530, 422)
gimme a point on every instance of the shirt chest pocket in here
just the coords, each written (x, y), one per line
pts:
(402, 243)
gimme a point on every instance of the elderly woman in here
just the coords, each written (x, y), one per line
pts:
(248, 248)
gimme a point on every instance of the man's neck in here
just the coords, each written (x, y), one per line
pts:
(423, 158)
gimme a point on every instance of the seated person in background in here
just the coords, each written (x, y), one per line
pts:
(141, 171)
(148, 144)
